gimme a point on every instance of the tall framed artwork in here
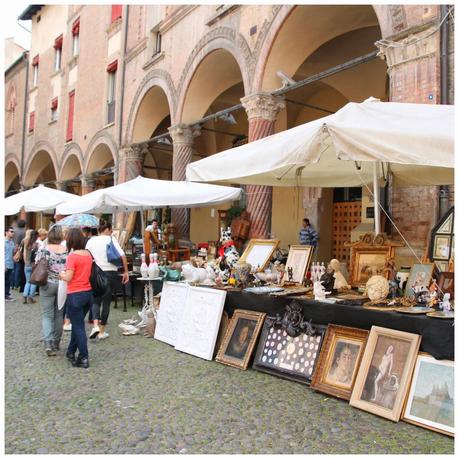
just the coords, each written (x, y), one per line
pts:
(200, 322)
(258, 253)
(441, 247)
(385, 372)
(339, 360)
(430, 401)
(298, 260)
(173, 300)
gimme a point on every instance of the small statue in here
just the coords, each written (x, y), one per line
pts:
(445, 305)
(340, 280)
(319, 291)
(391, 272)
(328, 281)
(433, 289)
(290, 274)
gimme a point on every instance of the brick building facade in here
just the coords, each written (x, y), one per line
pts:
(104, 79)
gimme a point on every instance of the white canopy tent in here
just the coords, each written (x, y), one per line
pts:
(144, 193)
(413, 142)
(38, 199)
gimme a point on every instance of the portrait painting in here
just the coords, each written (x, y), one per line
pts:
(420, 276)
(240, 338)
(430, 401)
(446, 283)
(299, 257)
(442, 247)
(339, 360)
(385, 372)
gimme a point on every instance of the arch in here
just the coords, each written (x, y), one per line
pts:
(156, 78)
(41, 166)
(321, 23)
(12, 169)
(100, 138)
(218, 39)
(71, 150)
(100, 157)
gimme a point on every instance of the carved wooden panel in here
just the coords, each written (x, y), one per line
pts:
(200, 322)
(173, 300)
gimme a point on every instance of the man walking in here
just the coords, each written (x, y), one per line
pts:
(9, 263)
(308, 235)
(18, 280)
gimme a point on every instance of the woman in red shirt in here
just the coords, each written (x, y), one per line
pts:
(79, 295)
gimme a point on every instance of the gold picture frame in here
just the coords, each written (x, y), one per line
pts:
(441, 249)
(362, 259)
(240, 338)
(299, 258)
(385, 372)
(339, 360)
(258, 253)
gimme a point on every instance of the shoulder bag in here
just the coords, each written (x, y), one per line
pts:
(98, 279)
(19, 254)
(113, 255)
(39, 275)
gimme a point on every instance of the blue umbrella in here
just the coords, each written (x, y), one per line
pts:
(79, 221)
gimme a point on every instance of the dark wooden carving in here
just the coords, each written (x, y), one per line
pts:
(292, 321)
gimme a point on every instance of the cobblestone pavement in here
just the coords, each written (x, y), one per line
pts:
(142, 396)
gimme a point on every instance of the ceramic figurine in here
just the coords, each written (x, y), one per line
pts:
(143, 267)
(391, 272)
(319, 291)
(153, 268)
(445, 305)
(340, 281)
(290, 274)
(227, 251)
(328, 281)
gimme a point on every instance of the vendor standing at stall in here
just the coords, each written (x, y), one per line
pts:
(153, 237)
(308, 235)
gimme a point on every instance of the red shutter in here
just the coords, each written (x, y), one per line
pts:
(111, 68)
(76, 27)
(58, 42)
(116, 12)
(70, 118)
(31, 121)
(54, 104)
(36, 60)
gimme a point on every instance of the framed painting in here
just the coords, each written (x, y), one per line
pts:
(240, 339)
(116, 234)
(286, 356)
(385, 372)
(420, 276)
(430, 401)
(446, 283)
(442, 246)
(173, 300)
(259, 252)
(339, 360)
(200, 322)
(364, 260)
(299, 258)
(122, 238)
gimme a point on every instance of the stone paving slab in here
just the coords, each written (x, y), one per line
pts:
(141, 396)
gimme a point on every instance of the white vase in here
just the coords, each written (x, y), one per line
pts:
(143, 267)
(153, 268)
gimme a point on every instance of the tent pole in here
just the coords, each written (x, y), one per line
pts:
(376, 197)
(41, 219)
(142, 229)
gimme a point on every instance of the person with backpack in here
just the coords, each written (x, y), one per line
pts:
(98, 245)
(29, 255)
(79, 295)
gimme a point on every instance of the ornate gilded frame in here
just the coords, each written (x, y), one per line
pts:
(226, 358)
(251, 249)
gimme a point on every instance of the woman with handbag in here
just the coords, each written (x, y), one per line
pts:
(79, 295)
(52, 316)
(98, 246)
(29, 251)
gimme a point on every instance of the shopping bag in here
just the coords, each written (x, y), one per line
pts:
(61, 294)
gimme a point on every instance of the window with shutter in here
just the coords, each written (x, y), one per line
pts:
(76, 37)
(31, 121)
(116, 12)
(69, 135)
(54, 109)
(111, 92)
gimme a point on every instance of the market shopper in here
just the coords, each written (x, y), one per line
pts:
(97, 245)
(9, 262)
(52, 317)
(79, 295)
(30, 251)
(308, 235)
(18, 276)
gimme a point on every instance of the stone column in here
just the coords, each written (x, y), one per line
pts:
(88, 184)
(61, 186)
(183, 140)
(130, 163)
(262, 109)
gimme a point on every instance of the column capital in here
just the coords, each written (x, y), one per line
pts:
(262, 105)
(184, 134)
(131, 153)
(60, 185)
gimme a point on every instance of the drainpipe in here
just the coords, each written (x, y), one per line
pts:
(123, 78)
(444, 37)
(25, 57)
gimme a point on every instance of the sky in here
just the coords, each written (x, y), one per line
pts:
(9, 23)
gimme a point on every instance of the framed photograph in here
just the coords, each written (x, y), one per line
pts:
(363, 260)
(446, 283)
(442, 265)
(240, 338)
(339, 360)
(430, 401)
(420, 276)
(200, 322)
(385, 372)
(259, 252)
(286, 356)
(299, 258)
(173, 300)
(442, 247)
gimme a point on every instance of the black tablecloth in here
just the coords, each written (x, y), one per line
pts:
(437, 334)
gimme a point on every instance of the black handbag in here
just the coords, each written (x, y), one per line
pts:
(98, 280)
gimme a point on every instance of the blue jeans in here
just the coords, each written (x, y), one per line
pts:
(18, 276)
(8, 279)
(77, 306)
(52, 317)
(29, 289)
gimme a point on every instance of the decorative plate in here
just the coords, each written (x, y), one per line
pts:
(441, 314)
(415, 310)
(263, 290)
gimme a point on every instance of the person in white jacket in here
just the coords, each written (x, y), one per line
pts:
(97, 245)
